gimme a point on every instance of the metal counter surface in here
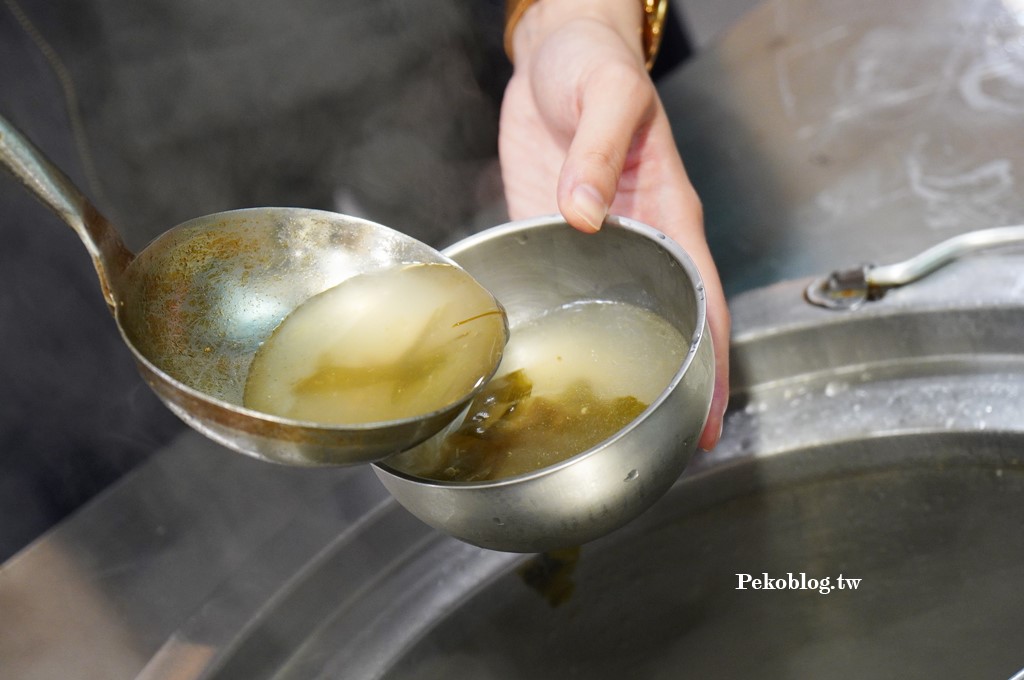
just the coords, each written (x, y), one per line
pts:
(820, 133)
(97, 596)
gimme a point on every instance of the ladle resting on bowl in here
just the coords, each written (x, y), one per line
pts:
(197, 303)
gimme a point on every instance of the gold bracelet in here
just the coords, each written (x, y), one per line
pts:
(654, 27)
(650, 32)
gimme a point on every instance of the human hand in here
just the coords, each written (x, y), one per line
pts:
(583, 132)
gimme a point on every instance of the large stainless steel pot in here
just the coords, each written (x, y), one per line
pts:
(884, 445)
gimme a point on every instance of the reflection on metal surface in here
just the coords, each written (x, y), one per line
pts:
(198, 532)
(178, 660)
(60, 598)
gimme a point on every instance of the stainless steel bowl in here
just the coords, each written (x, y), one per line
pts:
(534, 266)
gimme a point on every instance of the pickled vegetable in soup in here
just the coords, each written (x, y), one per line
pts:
(567, 382)
(388, 345)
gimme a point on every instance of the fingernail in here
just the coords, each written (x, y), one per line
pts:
(589, 205)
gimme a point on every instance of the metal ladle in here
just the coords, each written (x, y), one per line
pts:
(196, 303)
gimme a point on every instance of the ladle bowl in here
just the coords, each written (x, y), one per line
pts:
(195, 305)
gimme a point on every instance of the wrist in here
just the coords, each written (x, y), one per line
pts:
(528, 24)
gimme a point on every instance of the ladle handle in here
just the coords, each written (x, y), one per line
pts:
(51, 186)
(849, 288)
(908, 271)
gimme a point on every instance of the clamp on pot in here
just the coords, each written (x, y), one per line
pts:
(849, 288)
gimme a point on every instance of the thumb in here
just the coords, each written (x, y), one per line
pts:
(612, 109)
